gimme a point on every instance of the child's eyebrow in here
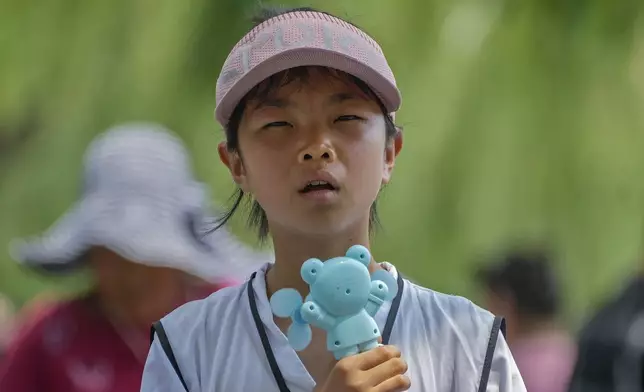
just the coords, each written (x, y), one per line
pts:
(341, 97)
(334, 99)
(272, 102)
(345, 96)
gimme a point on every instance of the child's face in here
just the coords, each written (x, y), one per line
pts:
(321, 128)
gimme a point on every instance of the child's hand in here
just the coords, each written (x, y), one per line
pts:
(381, 369)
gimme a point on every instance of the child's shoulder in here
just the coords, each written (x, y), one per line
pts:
(446, 311)
(447, 303)
(453, 326)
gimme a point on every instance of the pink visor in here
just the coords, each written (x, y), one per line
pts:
(303, 38)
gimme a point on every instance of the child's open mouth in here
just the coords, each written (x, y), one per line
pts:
(320, 191)
(316, 186)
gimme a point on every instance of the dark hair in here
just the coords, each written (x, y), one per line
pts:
(528, 277)
(257, 216)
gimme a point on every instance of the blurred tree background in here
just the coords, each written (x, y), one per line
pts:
(523, 123)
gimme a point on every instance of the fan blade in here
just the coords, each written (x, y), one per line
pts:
(285, 301)
(299, 336)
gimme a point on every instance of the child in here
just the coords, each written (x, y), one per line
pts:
(307, 102)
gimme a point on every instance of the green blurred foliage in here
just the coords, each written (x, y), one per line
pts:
(523, 123)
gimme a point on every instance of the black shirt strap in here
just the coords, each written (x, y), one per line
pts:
(167, 349)
(277, 373)
(393, 311)
(497, 325)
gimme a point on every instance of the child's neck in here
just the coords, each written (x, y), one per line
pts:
(291, 251)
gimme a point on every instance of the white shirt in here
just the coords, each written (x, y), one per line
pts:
(442, 338)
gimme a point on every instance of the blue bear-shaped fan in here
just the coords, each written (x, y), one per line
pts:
(343, 300)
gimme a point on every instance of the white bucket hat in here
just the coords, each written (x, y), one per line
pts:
(141, 201)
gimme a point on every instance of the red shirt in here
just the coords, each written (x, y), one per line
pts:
(71, 347)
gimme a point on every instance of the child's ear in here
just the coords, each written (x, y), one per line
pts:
(235, 165)
(392, 149)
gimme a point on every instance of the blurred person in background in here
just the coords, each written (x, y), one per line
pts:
(138, 228)
(611, 344)
(7, 322)
(523, 288)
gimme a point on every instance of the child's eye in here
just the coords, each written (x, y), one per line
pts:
(276, 124)
(349, 117)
